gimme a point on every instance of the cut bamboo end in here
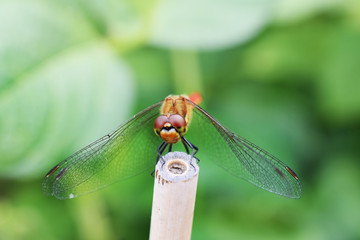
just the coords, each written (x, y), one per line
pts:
(174, 197)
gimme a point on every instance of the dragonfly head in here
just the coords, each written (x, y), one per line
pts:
(170, 127)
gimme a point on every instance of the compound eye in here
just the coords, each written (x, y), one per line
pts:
(177, 121)
(160, 121)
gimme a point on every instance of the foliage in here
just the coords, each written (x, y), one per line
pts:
(283, 74)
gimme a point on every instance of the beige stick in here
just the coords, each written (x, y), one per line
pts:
(174, 197)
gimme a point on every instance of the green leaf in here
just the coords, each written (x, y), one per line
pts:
(33, 31)
(206, 25)
(124, 22)
(60, 88)
(295, 10)
(338, 85)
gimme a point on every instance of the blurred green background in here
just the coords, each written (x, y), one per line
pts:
(283, 74)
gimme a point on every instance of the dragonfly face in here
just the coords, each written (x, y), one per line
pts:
(175, 116)
(170, 127)
(131, 150)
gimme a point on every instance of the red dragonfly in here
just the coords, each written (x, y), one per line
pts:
(131, 150)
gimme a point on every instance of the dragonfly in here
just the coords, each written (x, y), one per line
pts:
(139, 143)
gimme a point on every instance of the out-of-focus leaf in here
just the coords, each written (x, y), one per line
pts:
(124, 22)
(292, 10)
(335, 209)
(84, 91)
(288, 54)
(339, 83)
(205, 24)
(27, 214)
(33, 31)
(52, 87)
(152, 70)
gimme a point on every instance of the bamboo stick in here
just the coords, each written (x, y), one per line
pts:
(174, 197)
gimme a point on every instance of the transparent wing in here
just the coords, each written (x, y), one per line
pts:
(240, 157)
(126, 152)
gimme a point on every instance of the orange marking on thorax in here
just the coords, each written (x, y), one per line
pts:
(196, 98)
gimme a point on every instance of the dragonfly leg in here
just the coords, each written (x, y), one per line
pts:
(170, 147)
(160, 151)
(187, 144)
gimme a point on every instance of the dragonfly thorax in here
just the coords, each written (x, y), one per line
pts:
(170, 127)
